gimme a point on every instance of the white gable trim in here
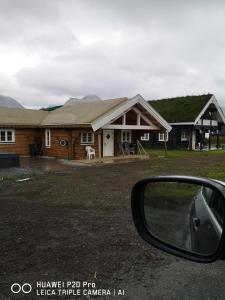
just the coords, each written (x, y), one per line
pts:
(134, 127)
(214, 101)
(139, 113)
(141, 116)
(182, 123)
(154, 113)
(105, 119)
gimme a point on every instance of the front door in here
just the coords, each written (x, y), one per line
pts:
(108, 142)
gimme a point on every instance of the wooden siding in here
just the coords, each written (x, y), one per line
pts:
(174, 141)
(23, 137)
(131, 118)
(74, 149)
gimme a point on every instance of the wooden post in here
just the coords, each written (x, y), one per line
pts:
(210, 139)
(165, 144)
(210, 130)
(193, 139)
(217, 139)
(100, 145)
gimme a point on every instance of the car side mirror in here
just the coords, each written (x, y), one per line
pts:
(181, 215)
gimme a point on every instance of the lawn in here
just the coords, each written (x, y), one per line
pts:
(182, 153)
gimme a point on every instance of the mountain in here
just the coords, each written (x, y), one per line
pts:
(9, 102)
(91, 98)
(87, 98)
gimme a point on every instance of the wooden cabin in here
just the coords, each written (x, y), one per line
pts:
(66, 131)
(196, 122)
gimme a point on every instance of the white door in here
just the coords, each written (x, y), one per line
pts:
(108, 142)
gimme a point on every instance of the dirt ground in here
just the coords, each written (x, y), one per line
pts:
(77, 225)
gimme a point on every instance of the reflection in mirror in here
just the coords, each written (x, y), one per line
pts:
(185, 215)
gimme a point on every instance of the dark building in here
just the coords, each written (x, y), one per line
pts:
(196, 122)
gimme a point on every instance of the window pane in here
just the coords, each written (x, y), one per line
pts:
(9, 136)
(89, 137)
(3, 136)
(47, 138)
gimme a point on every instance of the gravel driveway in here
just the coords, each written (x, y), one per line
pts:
(78, 226)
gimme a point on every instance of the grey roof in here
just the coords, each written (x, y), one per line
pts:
(81, 112)
(75, 114)
(21, 116)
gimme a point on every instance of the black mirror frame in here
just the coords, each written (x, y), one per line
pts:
(140, 224)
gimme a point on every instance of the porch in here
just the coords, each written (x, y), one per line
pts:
(124, 133)
(108, 160)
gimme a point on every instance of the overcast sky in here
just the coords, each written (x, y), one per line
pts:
(51, 50)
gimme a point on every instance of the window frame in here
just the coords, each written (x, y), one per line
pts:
(130, 135)
(87, 141)
(144, 138)
(163, 136)
(6, 130)
(184, 136)
(48, 138)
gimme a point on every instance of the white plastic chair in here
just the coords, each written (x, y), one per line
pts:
(90, 152)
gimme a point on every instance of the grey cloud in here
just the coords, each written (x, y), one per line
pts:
(114, 48)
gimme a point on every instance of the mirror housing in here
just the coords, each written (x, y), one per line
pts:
(139, 217)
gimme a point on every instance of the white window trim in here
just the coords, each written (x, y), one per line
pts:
(130, 136)
(163, 136)
(47, 138)
(145, 137)
(13, 136)
(184, 136)
(87, 143)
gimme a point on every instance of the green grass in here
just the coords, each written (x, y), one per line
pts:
(182, 153)
(171, 191)
(216, 172)
(180, 109)
(9, 178)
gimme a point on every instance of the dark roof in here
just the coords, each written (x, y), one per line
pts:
(180, 109)
(51, 108)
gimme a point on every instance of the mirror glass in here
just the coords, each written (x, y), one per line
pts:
(186, 215)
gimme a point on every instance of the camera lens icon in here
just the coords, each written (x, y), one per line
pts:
(16, 288)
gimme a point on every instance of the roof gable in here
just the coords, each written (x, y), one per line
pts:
(123, 107)
(181, 109)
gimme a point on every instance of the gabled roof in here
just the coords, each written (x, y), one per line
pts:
(21, 116)
(125, 106)
(95, 114)
(181, 109)
(81, 112)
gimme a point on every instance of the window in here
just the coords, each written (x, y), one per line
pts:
(215, 203)
(47, 138)
(207, 193)
(7, 136)
(184, 136)
(163, 136)
(87, 138)
(145, 137)
(126, 136)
